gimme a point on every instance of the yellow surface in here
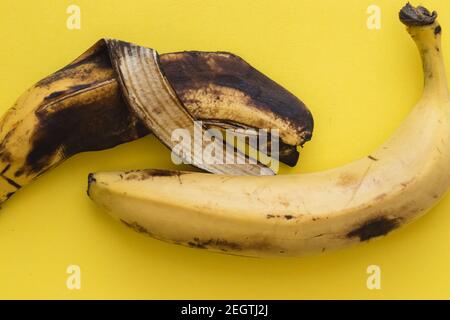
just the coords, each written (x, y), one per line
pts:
(359, 84)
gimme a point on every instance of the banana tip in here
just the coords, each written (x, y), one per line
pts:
(91, 180)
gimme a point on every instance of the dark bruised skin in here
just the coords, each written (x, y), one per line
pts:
(102, 121)
(217, 244)
(151, 173)
(377, 227)
(136, 227)
(92, 61)
(218, 73)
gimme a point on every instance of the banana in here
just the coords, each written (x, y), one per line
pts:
(82, 108)
(291, 215)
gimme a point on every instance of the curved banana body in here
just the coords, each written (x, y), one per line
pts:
(82, 108)
(302, 213)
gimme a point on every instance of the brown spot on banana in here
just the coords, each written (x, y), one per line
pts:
(284, 216)
(373, 228)
(151, 173)
(136, 227)
(347, 179)
(437, 30)
(214, 244)
(81, 108)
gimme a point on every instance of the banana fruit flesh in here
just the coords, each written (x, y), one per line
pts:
(291, 215)
(82, 108)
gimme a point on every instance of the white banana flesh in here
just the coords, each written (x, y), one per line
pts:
(300, 214)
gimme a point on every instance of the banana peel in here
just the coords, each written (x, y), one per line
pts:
(85, 107)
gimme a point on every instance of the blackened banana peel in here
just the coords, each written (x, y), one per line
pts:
(83, 107)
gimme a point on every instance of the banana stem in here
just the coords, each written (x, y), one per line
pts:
(428, 40)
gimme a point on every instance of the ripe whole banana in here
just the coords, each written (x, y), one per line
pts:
(298, 214)
(84, 107)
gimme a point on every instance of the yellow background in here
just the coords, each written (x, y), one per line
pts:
(359, 84)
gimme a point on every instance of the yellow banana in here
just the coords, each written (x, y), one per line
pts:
(82, 108)
(302, 213)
